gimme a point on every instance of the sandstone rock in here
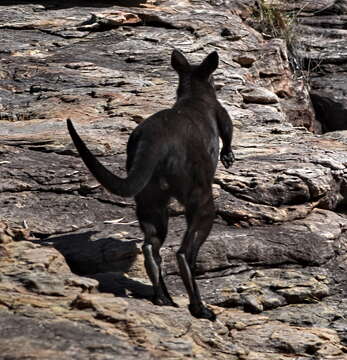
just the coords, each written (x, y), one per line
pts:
(246, 60)
(259, 96)
(319, 48)
(278, 246)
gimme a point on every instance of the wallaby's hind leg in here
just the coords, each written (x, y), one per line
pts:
(200, 214)
(153, 217)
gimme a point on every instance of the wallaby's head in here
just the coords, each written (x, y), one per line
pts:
(195, 78)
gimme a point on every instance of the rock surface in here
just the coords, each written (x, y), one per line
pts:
(72, 281)
(320, 47)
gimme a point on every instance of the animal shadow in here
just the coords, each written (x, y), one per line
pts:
(104, 259)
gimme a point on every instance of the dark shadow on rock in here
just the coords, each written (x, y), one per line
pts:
(331, 114)
(104, 259)
(87, 254)
(54, 5)
(121, 285)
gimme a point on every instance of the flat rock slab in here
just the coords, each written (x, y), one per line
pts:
(82, 322)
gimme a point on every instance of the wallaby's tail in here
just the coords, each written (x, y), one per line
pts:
(144, 163)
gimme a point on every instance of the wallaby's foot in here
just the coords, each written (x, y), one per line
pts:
(164, 301)
(227, 158)
(202, 312)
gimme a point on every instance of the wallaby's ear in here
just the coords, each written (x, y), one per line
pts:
(179, 62)
(209, 64)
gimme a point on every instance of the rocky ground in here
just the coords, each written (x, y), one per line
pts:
(72, 282)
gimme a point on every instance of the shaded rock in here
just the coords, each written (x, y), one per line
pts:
(91, 252)
(329, 102)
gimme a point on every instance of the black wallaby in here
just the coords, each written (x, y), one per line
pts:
(174, 153)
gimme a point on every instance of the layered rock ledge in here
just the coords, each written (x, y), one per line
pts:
(72, 281)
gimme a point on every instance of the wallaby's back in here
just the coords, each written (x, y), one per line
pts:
(174, 153)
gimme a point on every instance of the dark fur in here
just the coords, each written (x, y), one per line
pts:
(174, 153)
